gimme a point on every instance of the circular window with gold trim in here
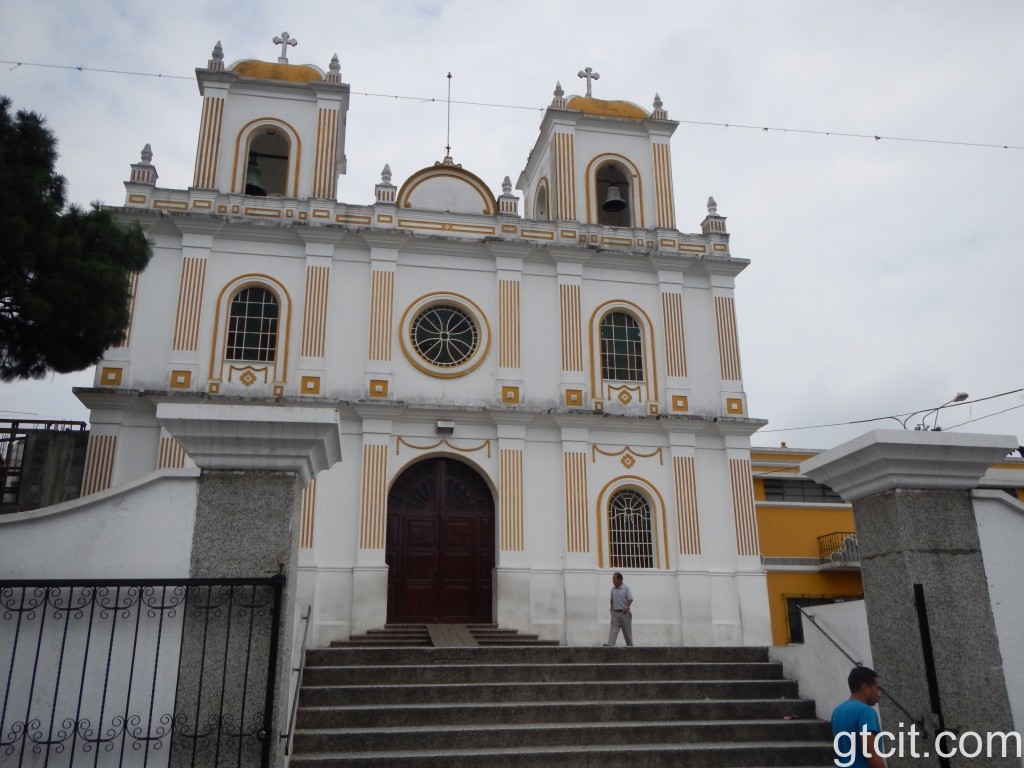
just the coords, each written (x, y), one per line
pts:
(445, 334)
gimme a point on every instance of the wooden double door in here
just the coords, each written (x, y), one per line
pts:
(440, 545)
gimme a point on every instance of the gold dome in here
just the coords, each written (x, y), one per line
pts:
(593, 106)
(265, 70)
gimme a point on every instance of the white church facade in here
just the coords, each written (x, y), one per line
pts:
(530, 392)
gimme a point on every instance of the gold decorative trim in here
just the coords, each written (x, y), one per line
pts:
(320, 213)
(734, 406)
(266, 213)
(595, 449)
(508, 323)
(567, 234)
(308, 519)
(314, 316)
(684, 471)
(133, 290)
(484, 446)
(564, 162)
(663, 187)
(536, 234)
(170, 205)
(636, 188)
(451, 172)
(510, 475)
(374, 491)
(111, 377)
(675, 337)
(574, 398)
(686, 248)
(214, 387)
(576, 519)
(666, 243)
(99, 463)
(309, 385)
(378, 388)
(426, 225)
(510, 395)
(728, 342)
(171, 455)
(720, 247)
(218, 349)
(626, 241)
(325, 177)
(303, 215)
(385, 218)
(650, 382)
(469, 306)
(181, 380)
(249, 374)
(209, 143)
(680, 403)
(744, 513)
(653, 409)
(222, 209)
(382, 295)
(572, 346)
(202, 205)
(190, 304)
(137, 199)
(509, 229)
(351, 218)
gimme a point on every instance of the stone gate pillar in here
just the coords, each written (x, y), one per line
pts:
(255, 461)
(919, 547)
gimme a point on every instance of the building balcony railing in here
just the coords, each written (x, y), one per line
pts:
(839, 550)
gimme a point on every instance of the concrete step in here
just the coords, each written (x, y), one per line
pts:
(721, 755)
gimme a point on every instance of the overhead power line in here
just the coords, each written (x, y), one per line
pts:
(432, 99)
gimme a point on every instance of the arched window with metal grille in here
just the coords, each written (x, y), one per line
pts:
(630, 532)
(252, 326)
(622, 352)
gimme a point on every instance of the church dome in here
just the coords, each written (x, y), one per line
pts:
(266, 70)
(592, 106)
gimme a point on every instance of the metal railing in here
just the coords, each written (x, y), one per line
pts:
(132, 672)
(13, 438)
(839, 548)
(297, 687)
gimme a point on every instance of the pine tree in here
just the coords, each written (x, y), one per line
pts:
(64, 273)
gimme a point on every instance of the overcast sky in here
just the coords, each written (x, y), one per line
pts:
(885, 275)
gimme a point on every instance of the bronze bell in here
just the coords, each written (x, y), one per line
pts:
(254, 180)
(613, 202)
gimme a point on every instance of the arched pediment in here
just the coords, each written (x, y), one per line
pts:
(449, 188)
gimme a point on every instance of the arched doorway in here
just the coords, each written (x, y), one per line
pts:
(440, 545)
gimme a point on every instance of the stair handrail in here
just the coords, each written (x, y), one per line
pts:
(301, 668)
(810, 616)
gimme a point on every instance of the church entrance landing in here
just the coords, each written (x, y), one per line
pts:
(440, 545)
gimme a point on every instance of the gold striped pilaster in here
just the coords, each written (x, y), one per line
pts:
(133, 288)
(511, 479)
(190, 297)
(576, 523)
(663, 186)
(675, 340)
(308, 515)
(381, 300)
(686, 504)
(373, 515)
(172, 454)
(728, 338)
(324, 177)
(209, 143)
(99, 463)
(314, 318)
(508, 312)
(565, 162)
(744, 514)
(572, 344)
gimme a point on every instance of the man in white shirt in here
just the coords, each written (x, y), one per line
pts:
(622, 617)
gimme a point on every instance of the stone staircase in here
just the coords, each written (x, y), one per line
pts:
(412, 635)
(553, 707)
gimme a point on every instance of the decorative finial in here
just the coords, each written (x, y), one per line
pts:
(385, 175)
(657, 101)
(284, 40)
(216, 57)
(506, 186)
(559, 93)
(590, 75)
(334, 75)
(146, 155)
(335, 65)
(712, 206)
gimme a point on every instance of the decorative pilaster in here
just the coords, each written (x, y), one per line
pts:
(685, 479)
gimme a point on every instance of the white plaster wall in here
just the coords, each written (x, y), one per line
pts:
(816, 664)
(1001, 530)
(139, 530)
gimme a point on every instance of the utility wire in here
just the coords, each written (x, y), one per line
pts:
(431, 99)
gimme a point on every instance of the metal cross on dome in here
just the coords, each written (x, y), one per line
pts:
(590, 75)
(284, 40)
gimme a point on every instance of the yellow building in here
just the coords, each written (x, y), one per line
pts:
(807, 535)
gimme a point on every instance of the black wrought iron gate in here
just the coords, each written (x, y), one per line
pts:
(176, 672)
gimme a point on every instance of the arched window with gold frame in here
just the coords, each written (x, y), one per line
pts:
(623, 364)
(632, 525)
(267, 154)
(252, 325)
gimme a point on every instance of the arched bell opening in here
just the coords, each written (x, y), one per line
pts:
(268, 159)
(613, 195)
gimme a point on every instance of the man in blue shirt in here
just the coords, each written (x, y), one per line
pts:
(855, 723)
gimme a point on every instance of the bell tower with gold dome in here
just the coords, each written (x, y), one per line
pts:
(601, 162)
(271, 129)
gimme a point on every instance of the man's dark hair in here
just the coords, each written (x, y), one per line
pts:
(861, 676)
(616, 575)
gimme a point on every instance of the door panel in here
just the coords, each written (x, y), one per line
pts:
(440, 545)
